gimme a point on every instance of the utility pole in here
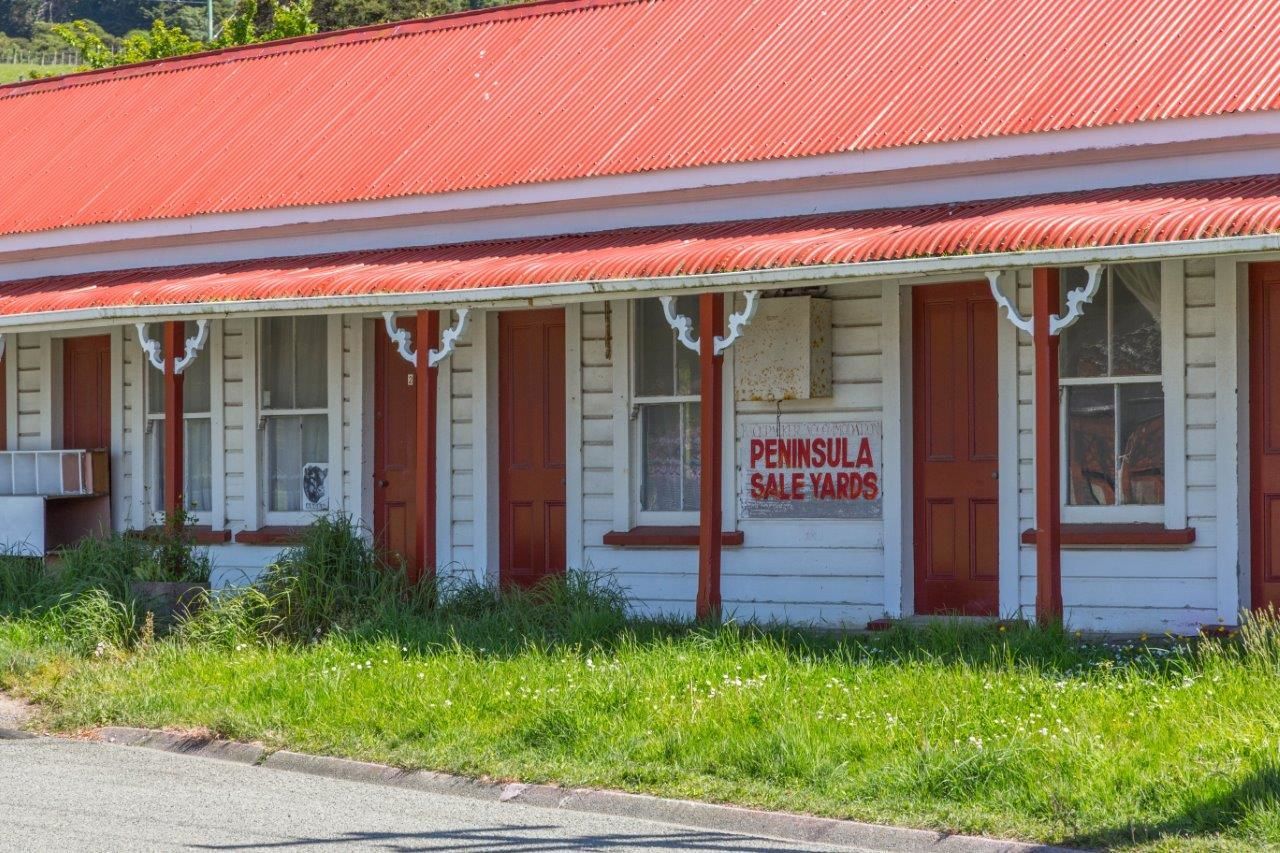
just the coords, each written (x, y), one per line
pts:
(209, 6)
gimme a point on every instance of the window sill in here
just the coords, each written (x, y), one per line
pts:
(1120, 535)
(201, 534)
(275, 534)
(683, 536)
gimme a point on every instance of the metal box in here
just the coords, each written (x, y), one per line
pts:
(785, 354)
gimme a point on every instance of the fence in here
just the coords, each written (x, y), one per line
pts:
(48, 57)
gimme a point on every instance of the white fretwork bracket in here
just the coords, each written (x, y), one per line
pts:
(683, 326)
(1076, 300)
(403, 339)
(155, 351)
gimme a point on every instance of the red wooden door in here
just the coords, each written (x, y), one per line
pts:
(1264, 433)
(86, 393)
(394, 422)
(956, 442)
(532, 446)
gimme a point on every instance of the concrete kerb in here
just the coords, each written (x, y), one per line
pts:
(688, 813)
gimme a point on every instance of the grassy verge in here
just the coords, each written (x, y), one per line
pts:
(1018, 732)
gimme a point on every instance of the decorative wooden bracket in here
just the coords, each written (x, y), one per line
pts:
(683, 326)
(1076, 300)
(403, 339)
(155, 354)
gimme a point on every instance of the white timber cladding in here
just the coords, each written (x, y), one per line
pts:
(1147, 589)
(814, 571)
(836, 573)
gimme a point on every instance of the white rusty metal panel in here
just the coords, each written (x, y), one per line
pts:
(785, 354)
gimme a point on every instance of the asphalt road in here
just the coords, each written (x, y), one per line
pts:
(68, 795)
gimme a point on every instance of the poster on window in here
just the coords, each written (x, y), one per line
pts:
(811, 470)
(315, 487)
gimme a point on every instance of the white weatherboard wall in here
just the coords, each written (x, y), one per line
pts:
(827, 572)
(1143, 589)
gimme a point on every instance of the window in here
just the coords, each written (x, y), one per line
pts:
(666, 388)
(197, 431)
(1113, 392)
(294, 405)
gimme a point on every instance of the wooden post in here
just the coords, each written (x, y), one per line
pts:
(175, 346)
(427, 335)
(711, 324)
(1048, 450)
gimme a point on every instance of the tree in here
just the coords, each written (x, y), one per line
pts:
(162, 40)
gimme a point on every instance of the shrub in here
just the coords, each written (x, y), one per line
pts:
(336, 579)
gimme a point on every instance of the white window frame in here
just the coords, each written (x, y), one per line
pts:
(333, 411)
(153, 461)
(1172, 513)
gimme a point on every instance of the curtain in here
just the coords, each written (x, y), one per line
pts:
(1143, 281)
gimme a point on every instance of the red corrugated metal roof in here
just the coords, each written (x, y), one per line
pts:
(569, 89)
(1135, 215)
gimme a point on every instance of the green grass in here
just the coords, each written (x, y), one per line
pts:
(1022, 733)
(1011, 731)
(10, 73)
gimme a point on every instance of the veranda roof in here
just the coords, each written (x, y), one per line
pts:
(635, 259)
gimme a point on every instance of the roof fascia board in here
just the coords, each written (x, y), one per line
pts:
(526, 223)
(586, 291)
(996, 154)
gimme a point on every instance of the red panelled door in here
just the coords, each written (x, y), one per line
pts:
(532, 445)
(956, 441)
(86, 393)
(1264, 432)
(394, 422)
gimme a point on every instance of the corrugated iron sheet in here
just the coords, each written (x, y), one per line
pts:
(1112, 217)
(563, 90)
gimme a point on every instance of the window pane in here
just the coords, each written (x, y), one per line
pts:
(1091, 453)
(199, 466)
(155, 466)
(195, 379)
(655, 376)
(297, 445)
(155, 379)
(1084, 345)
(277, 363)
(198, 462)
(1136, 323)
(691, 450)
(661, 458)
(688, 376)
(1141, 444)
(311, 339)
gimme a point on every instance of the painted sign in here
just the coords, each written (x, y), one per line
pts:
(811, 470)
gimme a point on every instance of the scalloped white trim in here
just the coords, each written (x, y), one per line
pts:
(403, 339)
(155, 352)
(683, 326)
(1076, 300)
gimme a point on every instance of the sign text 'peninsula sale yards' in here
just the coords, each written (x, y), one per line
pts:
(811, 470)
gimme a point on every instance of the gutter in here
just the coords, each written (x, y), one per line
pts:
(527, 295)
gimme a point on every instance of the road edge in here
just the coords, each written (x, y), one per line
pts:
(686, 813)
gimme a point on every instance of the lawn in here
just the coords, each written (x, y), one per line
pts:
(10, 73)
(1012, 731)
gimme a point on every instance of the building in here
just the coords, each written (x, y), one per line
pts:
(993, 299)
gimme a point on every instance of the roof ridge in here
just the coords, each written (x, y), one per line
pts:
(328, 38)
